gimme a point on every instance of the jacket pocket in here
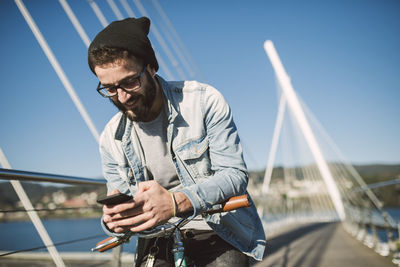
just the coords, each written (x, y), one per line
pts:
(195, 154)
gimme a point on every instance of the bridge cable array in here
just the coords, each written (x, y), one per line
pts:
(64, 79)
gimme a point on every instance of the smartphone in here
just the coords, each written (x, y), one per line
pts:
(113, 199)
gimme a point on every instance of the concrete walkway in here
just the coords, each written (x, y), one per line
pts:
(320, 245)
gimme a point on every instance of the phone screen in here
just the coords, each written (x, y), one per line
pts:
(113, 199)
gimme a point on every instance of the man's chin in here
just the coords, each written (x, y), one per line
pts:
(129, 113)
(137, 114)
(132, 116)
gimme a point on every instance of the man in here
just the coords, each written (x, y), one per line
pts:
(174, 147)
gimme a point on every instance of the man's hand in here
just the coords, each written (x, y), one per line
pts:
(151, 206)
(110, 215)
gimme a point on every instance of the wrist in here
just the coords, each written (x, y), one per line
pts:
(182, 203)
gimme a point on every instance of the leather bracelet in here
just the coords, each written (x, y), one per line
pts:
(173, 204)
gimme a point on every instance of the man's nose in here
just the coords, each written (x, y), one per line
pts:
(122, 95)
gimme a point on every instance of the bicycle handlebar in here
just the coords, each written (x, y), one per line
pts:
(231, 204)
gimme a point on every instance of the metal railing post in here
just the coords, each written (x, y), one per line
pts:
(375, 239)
(116, 256)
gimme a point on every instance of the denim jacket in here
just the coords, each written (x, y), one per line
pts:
(206, 151)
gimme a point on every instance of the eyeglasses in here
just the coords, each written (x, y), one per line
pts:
(128, 84)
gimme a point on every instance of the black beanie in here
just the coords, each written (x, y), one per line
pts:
(129, 34)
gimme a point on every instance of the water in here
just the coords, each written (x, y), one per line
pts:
(395, 213)
(23, 235)
(382, 235)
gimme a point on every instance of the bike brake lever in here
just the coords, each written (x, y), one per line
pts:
(110, 243)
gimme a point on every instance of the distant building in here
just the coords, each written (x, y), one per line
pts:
(75, 203)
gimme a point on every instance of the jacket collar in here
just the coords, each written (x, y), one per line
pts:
(169, 108)
(121, 128)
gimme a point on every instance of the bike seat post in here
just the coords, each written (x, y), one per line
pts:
(178, 249)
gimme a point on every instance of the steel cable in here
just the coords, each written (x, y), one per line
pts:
(54, 245)
(74, 208)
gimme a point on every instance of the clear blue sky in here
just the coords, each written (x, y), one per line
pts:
(343, 58)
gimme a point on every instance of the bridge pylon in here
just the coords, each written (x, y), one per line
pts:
(293, 103)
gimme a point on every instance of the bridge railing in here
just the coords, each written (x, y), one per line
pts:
(374, 227)
(10, 174)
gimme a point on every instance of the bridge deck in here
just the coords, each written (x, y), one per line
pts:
(320, 245)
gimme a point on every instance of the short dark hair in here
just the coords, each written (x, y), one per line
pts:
(107, 55)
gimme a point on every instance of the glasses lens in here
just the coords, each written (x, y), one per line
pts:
(131, 84)
(108, 91)
(128, 85)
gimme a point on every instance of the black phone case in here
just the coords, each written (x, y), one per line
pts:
(113, 199)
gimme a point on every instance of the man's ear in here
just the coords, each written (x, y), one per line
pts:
(151, 70)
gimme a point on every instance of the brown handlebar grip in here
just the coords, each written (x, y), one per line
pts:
(232, 204)
(109, 246)
(236, 203)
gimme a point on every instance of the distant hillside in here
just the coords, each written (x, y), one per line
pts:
(378, 172)
(389, 195)
(36, 192)
(372, 173)
(33, 190)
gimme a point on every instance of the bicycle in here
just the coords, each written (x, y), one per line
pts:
(171, 228)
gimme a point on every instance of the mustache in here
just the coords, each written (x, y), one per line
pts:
(133, 96)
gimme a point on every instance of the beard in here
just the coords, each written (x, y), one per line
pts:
(144, 101)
